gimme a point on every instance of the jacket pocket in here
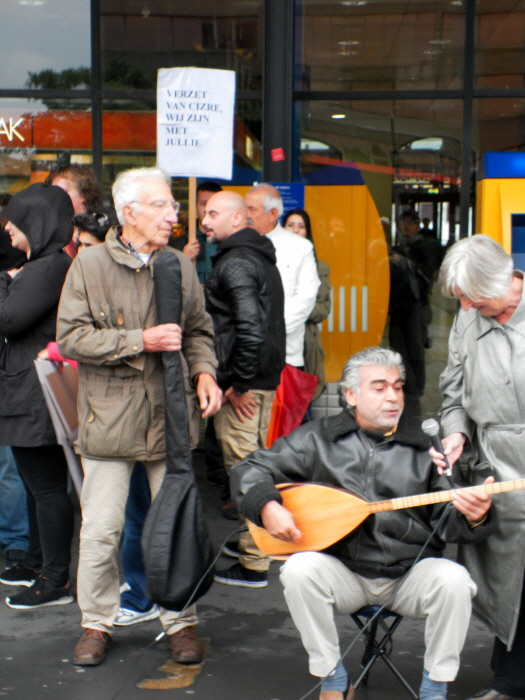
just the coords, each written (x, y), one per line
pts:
(110, 419)
(16, 391)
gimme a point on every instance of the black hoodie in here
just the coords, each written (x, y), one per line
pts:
(28, 308)
(245, 298)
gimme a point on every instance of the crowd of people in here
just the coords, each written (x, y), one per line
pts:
(77, 285)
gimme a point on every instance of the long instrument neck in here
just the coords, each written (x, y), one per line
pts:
(426, 499)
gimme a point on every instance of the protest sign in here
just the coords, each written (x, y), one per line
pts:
(195, 110)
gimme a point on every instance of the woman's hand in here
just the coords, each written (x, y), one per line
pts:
(452, 448)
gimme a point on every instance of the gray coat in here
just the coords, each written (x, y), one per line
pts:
(484, 397)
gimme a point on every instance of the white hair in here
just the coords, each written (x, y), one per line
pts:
(129, 185)
(383, 357)
(479, 267)
(269, 201)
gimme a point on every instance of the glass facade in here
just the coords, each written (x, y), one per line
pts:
(400, 98)
(52, 51)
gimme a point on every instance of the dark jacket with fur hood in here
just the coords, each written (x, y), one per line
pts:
(28, 311)
(336, 452)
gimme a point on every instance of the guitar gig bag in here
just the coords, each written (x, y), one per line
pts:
(176, 545)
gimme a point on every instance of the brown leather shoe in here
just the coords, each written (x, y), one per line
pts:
(91, 648)
(186, 647)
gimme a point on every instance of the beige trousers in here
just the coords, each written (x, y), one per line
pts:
(103, 500)
(317, 585)
(237, 440)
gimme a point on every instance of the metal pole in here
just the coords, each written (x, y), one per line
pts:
(277, 121)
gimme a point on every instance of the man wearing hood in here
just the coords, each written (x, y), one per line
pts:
(39, 223)
(245, 298)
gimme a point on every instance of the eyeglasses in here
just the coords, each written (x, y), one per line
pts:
(160, 205)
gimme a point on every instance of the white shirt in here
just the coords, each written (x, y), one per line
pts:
(296, 264)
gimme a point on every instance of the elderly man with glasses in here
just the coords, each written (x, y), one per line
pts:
(107, 322)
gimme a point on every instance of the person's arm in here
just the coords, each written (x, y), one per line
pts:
(453, 417)
(323, 301)
(240, 287)
(252, 481)
(78, 335)
(197, 326)
(298, 307)
(24, 299)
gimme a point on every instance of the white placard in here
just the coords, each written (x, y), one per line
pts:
(195, 110)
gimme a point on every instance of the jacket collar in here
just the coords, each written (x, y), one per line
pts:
(408, 431)
(121, 254)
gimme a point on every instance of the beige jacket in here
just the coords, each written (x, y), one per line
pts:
(106, 302)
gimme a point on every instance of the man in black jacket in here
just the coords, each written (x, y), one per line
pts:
(375, 451)
(245, 298)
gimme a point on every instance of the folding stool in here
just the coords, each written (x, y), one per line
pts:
(378, 648)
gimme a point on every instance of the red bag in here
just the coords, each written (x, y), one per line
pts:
(292, 398)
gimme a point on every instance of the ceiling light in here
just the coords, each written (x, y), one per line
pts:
(440, 42)
(338, 116)
(354, 3)
(349, 42)
(348, 53)
(31, 3)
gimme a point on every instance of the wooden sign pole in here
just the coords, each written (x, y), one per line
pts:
(192, 209)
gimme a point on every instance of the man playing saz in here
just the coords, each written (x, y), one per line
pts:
(377, 452)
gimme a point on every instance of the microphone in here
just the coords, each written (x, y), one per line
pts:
(431, 428)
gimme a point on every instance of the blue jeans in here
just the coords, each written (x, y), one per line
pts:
(13, 504)
(139, 499)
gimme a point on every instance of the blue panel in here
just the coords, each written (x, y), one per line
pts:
(292, 194)
(503, 165)
(518, 234)
(335, 175)
(519, 261)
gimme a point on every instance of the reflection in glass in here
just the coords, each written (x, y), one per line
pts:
(365, 45)
(139, 38)
(54, 41)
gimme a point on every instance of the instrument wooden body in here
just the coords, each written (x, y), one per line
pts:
(326, 514)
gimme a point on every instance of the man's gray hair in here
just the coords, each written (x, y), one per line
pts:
(383, 357)
(478, 266)
(128, 186)
(270, 201)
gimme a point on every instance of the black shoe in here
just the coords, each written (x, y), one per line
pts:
(14, 557)
(489, 694)
(19, 576)
(237, 575)
(231, 549)
(41, 594)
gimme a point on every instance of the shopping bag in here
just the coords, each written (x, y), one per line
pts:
(292, 398)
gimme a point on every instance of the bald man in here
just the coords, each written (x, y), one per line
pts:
(245, 298)
(295, 262)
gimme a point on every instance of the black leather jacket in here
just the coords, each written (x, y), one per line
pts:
(337, 452)
(245, 298)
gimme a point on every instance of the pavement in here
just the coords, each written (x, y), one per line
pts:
(254, 650)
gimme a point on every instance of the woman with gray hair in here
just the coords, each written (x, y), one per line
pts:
(483, 419)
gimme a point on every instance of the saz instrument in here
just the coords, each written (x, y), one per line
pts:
(326, 514)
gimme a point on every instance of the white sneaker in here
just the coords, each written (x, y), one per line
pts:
(132, 617)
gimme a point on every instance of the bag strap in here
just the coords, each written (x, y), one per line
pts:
(167, 279)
